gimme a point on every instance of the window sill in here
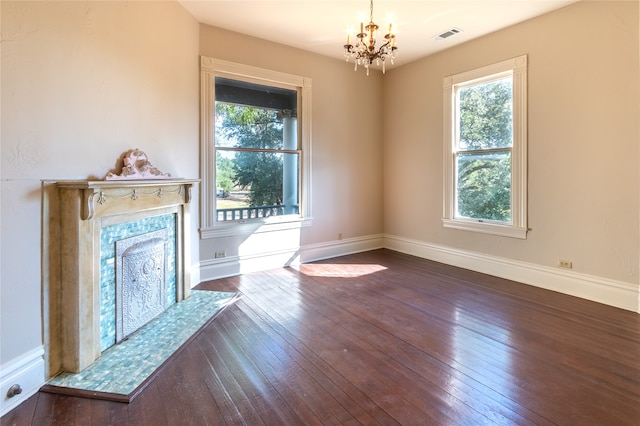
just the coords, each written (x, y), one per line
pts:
(491, 228)
(253, 226)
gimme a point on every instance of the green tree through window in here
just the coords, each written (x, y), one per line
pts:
(258, 172)
(484, 150)
(225, 174)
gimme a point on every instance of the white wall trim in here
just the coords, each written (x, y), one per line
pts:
(234, 265)
(517, 69)
(210, 68)
(598, 289)
(26, 370)
(195, 275)
(320, 251)
(602, 290)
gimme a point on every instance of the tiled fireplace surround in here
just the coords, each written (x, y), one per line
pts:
(82, 220)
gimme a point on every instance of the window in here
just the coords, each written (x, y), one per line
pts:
(255, 134)
(257, 153)
(485, 148)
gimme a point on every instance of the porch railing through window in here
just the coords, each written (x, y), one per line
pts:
(244, 213)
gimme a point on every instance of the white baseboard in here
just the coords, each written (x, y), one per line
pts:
(195, 275)
(27, 371)
(602, 290)
(313, 252)
(234, 265)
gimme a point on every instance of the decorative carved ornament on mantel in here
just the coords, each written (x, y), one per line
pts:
(138, 180)
(137, 166)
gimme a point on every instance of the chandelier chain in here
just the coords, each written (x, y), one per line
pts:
(371, 11)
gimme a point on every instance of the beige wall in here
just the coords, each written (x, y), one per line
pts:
(583, 141)
(82, 82)
(346, 144)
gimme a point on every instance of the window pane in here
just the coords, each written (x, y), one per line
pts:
(251, 115)
(256, 185)
(485, 112)
(248, 127)
(484, 186)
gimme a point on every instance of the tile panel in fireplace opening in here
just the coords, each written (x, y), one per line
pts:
(137, 275)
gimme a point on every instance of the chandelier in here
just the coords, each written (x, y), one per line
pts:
(364, 51)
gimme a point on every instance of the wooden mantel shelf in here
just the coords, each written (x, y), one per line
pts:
(96, 194)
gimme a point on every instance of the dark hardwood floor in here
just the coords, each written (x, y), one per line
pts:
(385, 338)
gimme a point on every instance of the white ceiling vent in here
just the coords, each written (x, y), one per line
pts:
(447, 34)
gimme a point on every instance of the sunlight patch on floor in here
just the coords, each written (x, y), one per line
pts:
(340, 270)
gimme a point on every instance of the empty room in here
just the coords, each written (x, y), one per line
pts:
(320, 212)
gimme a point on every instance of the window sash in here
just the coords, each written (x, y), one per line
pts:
(281, 200)
(496, 207)
(240, 149)
(461, 144)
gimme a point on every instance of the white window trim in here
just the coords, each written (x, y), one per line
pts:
(209, 226)
(518, 226)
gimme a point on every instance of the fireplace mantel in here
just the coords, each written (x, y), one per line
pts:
(95, 195)
(74, 213)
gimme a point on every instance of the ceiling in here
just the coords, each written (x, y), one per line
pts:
(321, 26)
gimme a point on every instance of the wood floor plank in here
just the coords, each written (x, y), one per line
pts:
(399, 348)
(148, 408)
(239, 406)
(486, 365)
(217, 390)
(190, 391)
(23, 415)
(385, 338)
(433, 370)
(350, 396)
(283, 370)
(360, 362)
(109, 413)
(293, 387)
(62, 410)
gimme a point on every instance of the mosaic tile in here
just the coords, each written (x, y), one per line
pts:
(125, 366)
(108, 236)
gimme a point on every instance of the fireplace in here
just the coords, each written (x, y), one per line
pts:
(115, 256)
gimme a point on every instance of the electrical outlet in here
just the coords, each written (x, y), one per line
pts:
(565, 264)
(220, 254)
